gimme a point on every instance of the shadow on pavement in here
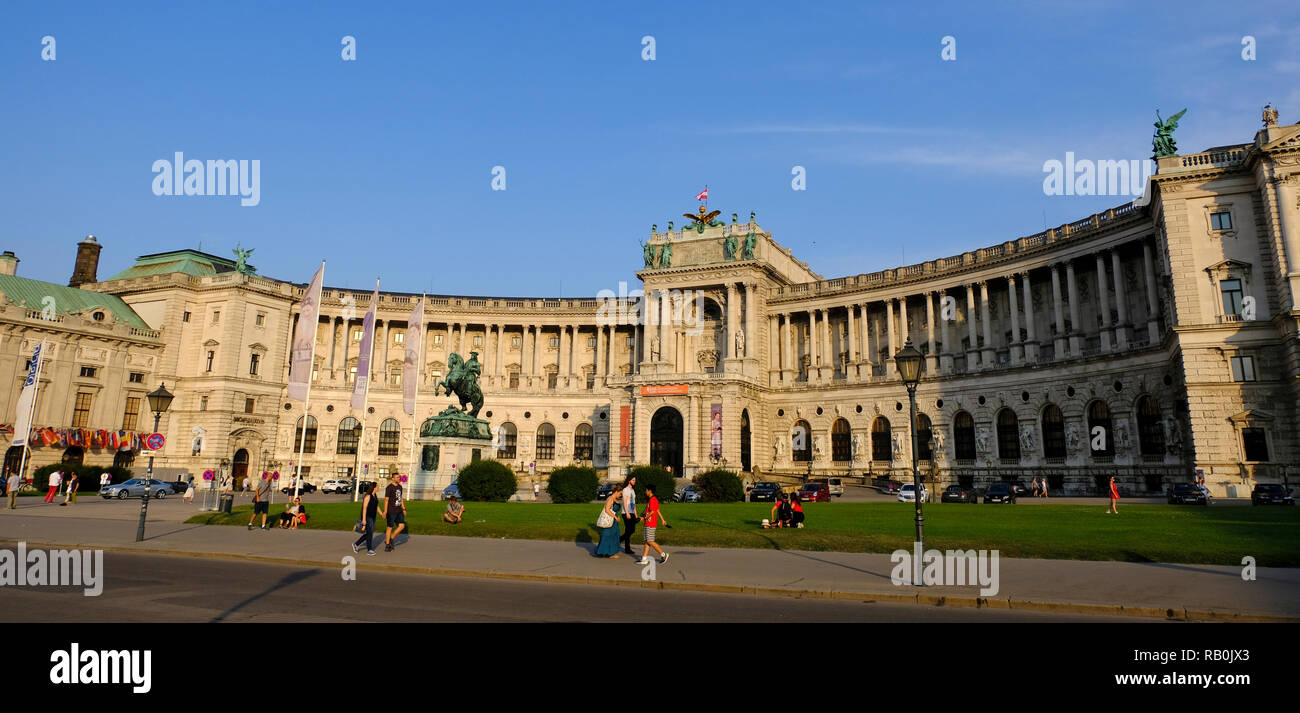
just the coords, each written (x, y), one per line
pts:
(288, 580)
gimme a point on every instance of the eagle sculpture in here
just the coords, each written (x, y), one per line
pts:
(703, 218)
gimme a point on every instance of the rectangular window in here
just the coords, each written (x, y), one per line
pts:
(81, 411)
(248, 405)
(1255, 444)
(545, 446)
(131, 413)
(399, 338)
(551, 381)
(514, 381)
(88, 372)
(437, 339)
(203, 403)
(395, 378)
(555, 341)
(252, 365)
(382, 474)
(356, 334)
(591, 342)
(343, 472)
(216, 317)
(591, 382)
(211, 355)
(1243, 368)
(1221, 221)
(631, 341)
(185, 317)
(260, 321)
(352, 375)
(435, 379)
(516, 342)
(1232, 294)
(478, 340)
(136, 377)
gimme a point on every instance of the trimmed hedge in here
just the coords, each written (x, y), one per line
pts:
(87, 475)
(665, 484)
(720, 486)
(573, 484)
(486, 480)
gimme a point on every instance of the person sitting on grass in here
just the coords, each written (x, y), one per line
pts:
(455, 511)
(292, 514)
(796, 507)
(781, 512)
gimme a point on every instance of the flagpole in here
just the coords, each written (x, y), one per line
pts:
(31, 412)
(306, 401)
(365, 397)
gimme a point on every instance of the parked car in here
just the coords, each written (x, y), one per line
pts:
(907, 493)
(336, 485)
(1000, 492)
(605, 490)
(1019, 489)
(815, 493)
(764, 492)
(451, 490)
(304, 487)
(836, 485)
(1185, 494)
(363, 485)
(134, 488)
(959, 494)
(179, 487)
(689, 494)
(1271, 494)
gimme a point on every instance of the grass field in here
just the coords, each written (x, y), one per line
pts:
(1140, 533)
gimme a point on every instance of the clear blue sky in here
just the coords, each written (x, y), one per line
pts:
(383, 166)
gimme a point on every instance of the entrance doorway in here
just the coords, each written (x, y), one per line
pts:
(240, 469)
(14, 458)
(666, 440)
(745, 463)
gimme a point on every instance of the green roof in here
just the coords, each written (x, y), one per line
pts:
(190, 262)
(67, 300)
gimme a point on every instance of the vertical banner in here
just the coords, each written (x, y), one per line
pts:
(304, 343)
(411, 359)
(716, 429)
(27, 399)
(361, 385)
(625, 431)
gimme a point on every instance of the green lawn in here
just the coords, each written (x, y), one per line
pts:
(1141, 533)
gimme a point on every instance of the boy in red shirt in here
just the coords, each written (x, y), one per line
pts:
(652, 518)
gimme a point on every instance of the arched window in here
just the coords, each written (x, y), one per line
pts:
(881, 448)
(1099, 417)
(841, 441)
(74, 456)
(924, 432)
(1053, 432)
(1008, 436)
(308, 445)
(1151, 433)
(349, 436)
(963, 436)
(800, 445)
(507, 436)
(545, 442)
(390, 435)
(582, 442)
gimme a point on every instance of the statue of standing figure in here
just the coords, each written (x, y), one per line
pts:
(751, 242)
(1163, 144)
(648, 253)
(740, 342)
(729, 247)
(666, 256)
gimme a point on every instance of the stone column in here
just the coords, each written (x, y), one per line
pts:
(751, 319)
(499, 365)
(903, 332)
(852, 368)
(1031, 344)
(973, 350)
(388, 340)
(990, 358)
(1289, 219)
(733, 313)
(814, 348)
(865, 359)
(334, 342)
(638, 342)
(665, 320)
(1153, 310)
(773, 350)
(1121, 302)
(1103, 303)
(945, 358)
(538, 372)
(598, 366)
(1076, 332)
(564, 358)
(789, 366)
(1017, 349)
(891, 368)
(828, 345)
(931, 359)
(347, 344)
(1059, 342)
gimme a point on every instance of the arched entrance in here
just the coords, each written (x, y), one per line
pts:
(745, 463)
(74, 455)
(666, 440)
(240, 469)
(13, 459)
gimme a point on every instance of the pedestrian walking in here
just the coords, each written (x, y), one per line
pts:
(369, 508)
(652, 519)
(1114, 497)
(189, 491)
(15, 484)
(1042, 488)
(394, 512)
(1033, 485)
(609, 535)
(629, 514)
(56, 478)
(70, 494)
(537, 489)
(247, 485)
(261, 502)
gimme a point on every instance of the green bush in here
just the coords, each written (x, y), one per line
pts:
(573, 484)
(486, 480)
(665, 484)
(720, 486)
(87, 475)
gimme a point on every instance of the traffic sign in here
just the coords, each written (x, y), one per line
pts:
(208, 475)
(403, 478)
(154, 442)
(275, 475)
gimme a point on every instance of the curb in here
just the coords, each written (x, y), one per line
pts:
(937, 600)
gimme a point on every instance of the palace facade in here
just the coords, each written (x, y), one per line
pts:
(1156, 341)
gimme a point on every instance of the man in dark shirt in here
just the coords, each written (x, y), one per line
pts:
(394, 511)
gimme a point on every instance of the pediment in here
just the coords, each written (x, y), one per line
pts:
(1250, 416)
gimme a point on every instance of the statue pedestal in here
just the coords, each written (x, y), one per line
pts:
(447, 443)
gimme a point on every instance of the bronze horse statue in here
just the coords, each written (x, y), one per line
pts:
(462, 380)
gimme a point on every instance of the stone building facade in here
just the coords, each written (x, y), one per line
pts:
(1156, 341)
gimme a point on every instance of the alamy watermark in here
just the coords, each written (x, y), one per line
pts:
(53, 568)
(951, 568)
(1085, 177)
(128, 666)
(193, 177)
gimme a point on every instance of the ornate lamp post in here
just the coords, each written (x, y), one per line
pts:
(159, 402)
(908, 361)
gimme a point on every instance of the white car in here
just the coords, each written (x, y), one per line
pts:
(336, 485)
(907, 493)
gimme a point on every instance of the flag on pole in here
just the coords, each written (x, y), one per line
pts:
(703, 195)
(411, 360)
(361, 386)
(27, 398)
(304, 343)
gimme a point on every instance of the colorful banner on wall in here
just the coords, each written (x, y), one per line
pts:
(716, 430)
(304, 342)
(664, 390)
(361, 383)
(27, 397)
(625, 431)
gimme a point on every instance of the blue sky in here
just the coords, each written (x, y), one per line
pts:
(382, 166)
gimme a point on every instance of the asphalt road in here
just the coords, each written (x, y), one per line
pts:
(163, 588)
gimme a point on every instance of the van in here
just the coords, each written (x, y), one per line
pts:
(836, 485)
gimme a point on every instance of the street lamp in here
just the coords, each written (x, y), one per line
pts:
(159, 401)
(908, 361)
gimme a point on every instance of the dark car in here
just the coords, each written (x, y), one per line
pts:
(1019, 489)
(815, 493)
(605, 490)
(764, 492)
(1185, 494)
(179, 486)
(1271, 494)
(304, 487)
(959, 494)
(1000, 492)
